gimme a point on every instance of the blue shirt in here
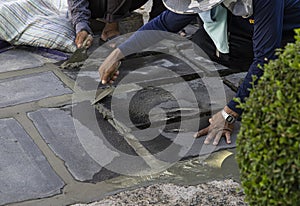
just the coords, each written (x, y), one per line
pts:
(80, 14)
(271, 17)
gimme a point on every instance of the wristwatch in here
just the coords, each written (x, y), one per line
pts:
(228, 117)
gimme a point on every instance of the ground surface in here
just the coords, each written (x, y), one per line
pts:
(224, 192)
(58, 149)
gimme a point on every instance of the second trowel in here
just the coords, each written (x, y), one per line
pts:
(77, 57)
(106, 91)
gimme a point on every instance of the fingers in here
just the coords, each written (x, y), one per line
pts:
(218, 127)
(89, 41)
(227, 135)
(210, 136)
(109, 75)
(202, 132)
(81, 37)
(217, 135)
(217, 138)
(108, 70)
(115, 76)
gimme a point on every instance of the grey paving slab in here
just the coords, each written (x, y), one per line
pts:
(137, 68)
(32, 87)
(158, 113)
(91, 148)
(137, 105)
(174, 141)
(236, 79)
(18, 59)
(24, 171)
(203, 62)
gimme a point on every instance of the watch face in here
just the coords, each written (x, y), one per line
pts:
(230, 119)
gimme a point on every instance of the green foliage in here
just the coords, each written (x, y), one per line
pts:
(268, 151)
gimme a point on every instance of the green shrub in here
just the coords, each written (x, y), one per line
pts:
(268, 151)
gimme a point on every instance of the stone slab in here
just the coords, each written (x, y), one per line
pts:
(18, 59)
(235, 79)
(137, 105)
(91, 148)
(32, 87)
(24, 171)
(174, 141)
(203, 62)
(143, 67)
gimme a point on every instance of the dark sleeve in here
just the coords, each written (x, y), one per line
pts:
(80, 15)
(267, 35)
(149, 34)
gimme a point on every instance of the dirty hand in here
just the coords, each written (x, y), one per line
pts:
(81, 37)
(108, 70)
(218, 127)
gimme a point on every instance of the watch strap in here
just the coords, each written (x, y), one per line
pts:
(228, 117)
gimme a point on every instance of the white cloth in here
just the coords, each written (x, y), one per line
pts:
(39, 23)
(215, 24)
(242, 8)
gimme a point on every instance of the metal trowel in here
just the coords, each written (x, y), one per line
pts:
(77, 57)
(107, 90)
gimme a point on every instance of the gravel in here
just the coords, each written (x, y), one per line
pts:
(227, 193)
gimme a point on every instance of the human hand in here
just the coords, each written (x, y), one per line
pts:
(218, 127)
(108, 70)
(81, 37)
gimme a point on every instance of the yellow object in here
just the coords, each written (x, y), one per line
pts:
(216, 159)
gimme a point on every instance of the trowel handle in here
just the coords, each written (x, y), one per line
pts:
(86, 40)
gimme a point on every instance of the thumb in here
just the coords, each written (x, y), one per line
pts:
(202, 132)
(81, 36)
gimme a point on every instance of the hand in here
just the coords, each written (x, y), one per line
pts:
(81, 37)
(218, 127)
(108, 70)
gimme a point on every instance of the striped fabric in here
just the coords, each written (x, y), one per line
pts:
(36, 23)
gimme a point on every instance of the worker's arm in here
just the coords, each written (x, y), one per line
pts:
(267, 37)
(80, 15)
(155, 30)
(151, 33)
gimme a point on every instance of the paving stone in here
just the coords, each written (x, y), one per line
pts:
(24, 171)
(174, 141)
(203, 62)
(134, 70)
(130, 23)
(91, 148)
(235, 79)
(136, 104)
(32, 87)
(153, 110)
(18, 59)
(156, 113)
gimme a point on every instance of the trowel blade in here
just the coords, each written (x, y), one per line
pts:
(104, 93)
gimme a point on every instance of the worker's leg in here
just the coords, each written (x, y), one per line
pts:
(116, 10)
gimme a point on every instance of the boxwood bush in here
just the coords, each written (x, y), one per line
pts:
(268, 151)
